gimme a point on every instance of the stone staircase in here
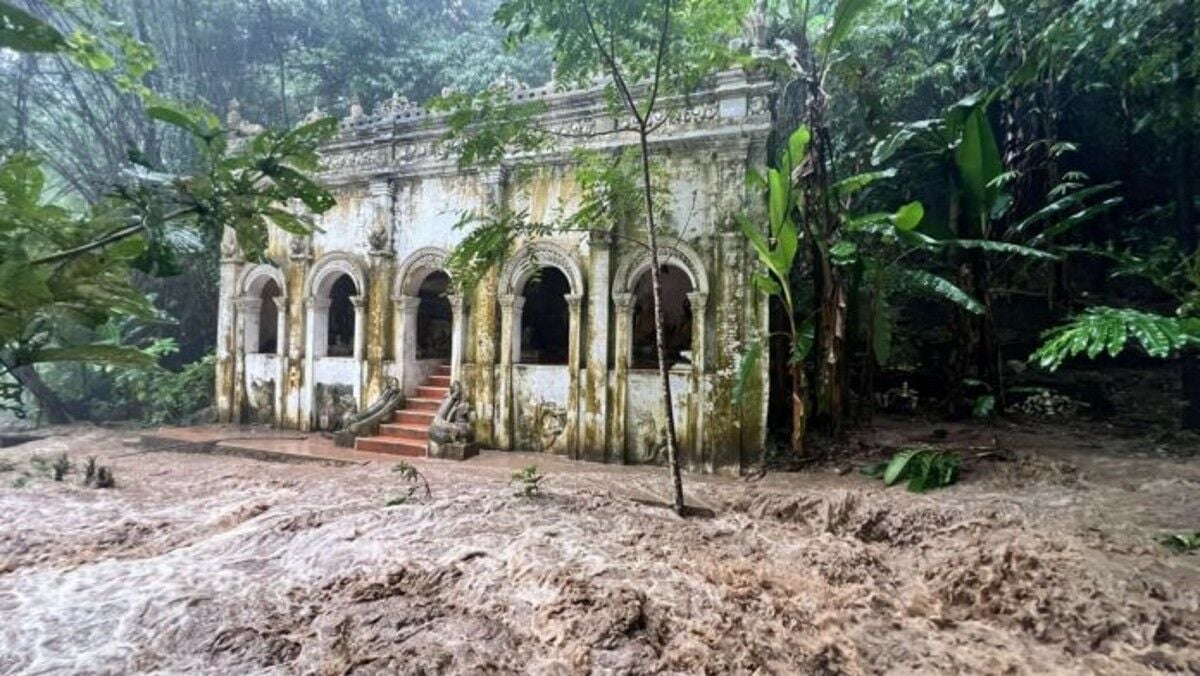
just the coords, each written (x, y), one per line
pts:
(408, 432)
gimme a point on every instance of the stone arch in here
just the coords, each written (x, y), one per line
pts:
(415, 268)
(678, 254)
(256, 277)
(325, 272)
(263, 318)
(536, 255)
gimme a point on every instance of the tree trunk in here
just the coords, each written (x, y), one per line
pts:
(659, 343)
(48, 401)
(1185, 188)
(799, 409)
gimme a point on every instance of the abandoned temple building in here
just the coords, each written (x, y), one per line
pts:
(554, 348)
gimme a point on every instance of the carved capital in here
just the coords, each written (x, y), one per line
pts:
(407, 304)
(699, 301)
(457, 304)
(359, 302)
(510, 303)
(248, 304)
(316, 303)
(574, 302)
(300, 248)
(623, 302)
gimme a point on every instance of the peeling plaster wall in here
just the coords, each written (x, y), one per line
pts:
(399, 193)
(540, 412)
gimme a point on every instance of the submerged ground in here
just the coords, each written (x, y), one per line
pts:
(1043, 562)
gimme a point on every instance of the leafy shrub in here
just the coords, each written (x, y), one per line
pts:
(923, 468)
(7, 465)
(104, 478)
(413, 476)
(60, 467)
(89, 471)
(1181, 542)
(529, 482)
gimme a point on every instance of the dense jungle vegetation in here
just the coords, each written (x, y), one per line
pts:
(962, 197)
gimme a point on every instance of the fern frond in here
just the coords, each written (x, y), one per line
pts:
(1109, 330)
(930, 284)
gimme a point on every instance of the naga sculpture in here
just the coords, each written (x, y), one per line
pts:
(365, 423)
(450, 434)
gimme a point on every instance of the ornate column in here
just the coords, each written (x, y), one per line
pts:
(316, 312)
(405, 335)
(226, 376)
(699, 383)
(380, 254)
(281, 347)
(360, 319)
(248, 316)
(457, 335)
(622, 345)
(593, 444)
(574, 354)
(724, 428)
(510, 352)
(295, 365)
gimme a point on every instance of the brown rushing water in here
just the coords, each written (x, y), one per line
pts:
(222, 565)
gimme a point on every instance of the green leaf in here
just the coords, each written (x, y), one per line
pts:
(797, 147)
(1107, 330)
(932, 284)
(22, 32)
(895, 468)
(778, 198)
(806, 337)
(848, 186)
(844, 17)
(909, 216)
(177, 118)
(767, 285)
(746, 364)
(1003, 248)
(978, 162)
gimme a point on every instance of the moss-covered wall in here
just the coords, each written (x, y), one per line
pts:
(399, 194)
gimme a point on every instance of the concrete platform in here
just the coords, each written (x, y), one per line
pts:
(259, 443)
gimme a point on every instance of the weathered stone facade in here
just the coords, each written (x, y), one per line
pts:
(321, 345)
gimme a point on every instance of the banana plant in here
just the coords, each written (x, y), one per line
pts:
(776, 251)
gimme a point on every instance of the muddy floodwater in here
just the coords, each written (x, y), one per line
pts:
(1041, 561)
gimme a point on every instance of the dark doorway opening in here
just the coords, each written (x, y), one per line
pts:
(268, 318)
(434, 317)
(677, 319)
(545, 319)
(341, 318)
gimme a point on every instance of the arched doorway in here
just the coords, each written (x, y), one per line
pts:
(435, 318)
(545, 319)
(675, 285)
(340, 328)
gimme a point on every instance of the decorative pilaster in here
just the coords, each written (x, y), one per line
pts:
(226, 375)
(457, 335)
(724, 430)
(574, 355)
(405, 337)
(281, 357)
(622, 342)
(380, 254)
(316, 313)
(700, 450)
(298, 377)
(594, 409)
(510, 347)
(245, 329)
(360, 318)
